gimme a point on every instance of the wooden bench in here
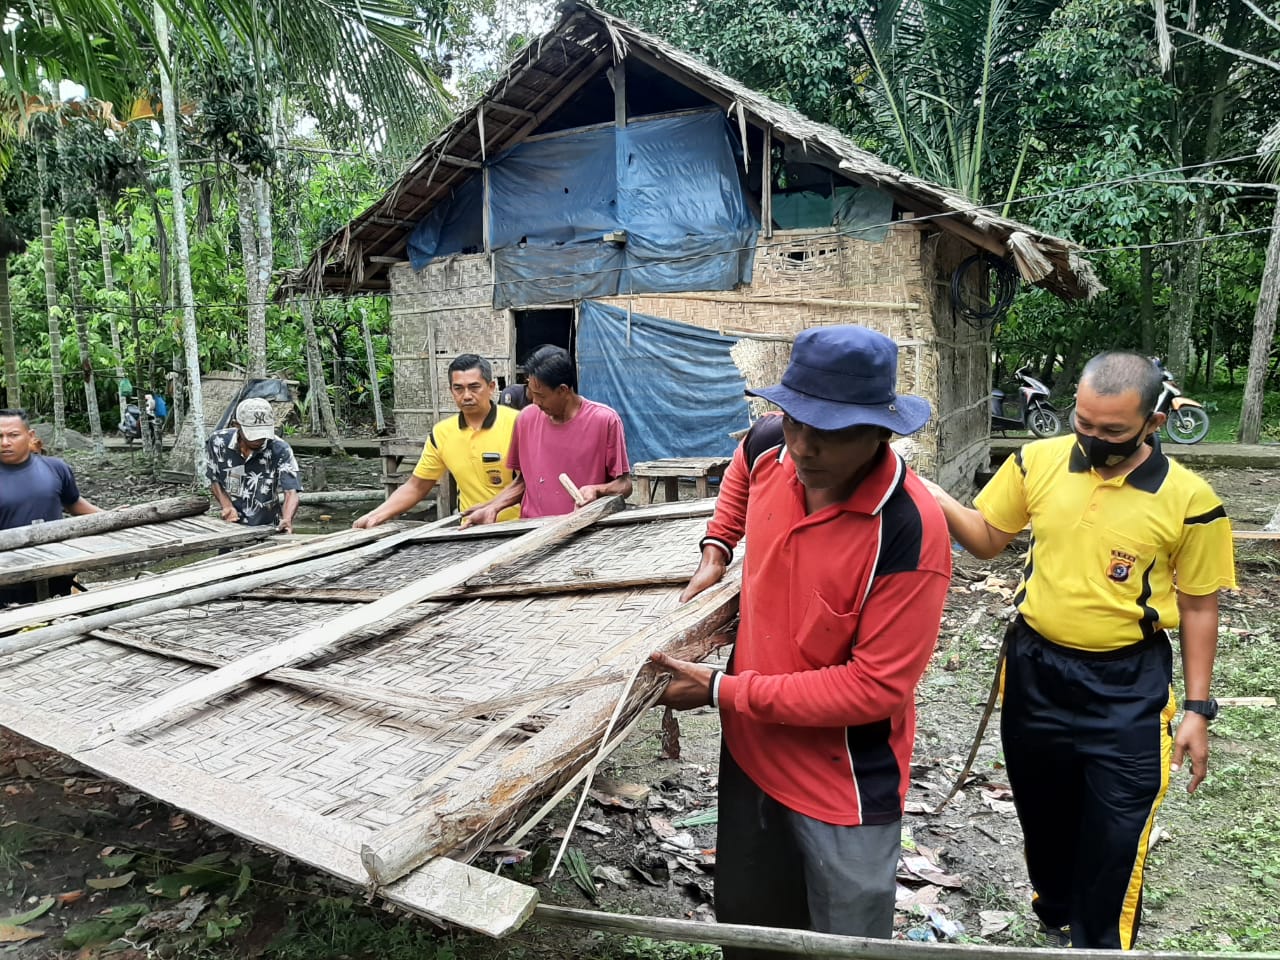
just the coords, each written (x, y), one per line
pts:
(669, 472)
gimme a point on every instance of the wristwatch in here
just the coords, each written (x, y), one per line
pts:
(1206, 708)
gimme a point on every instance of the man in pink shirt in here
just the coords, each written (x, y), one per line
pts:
(559, 432)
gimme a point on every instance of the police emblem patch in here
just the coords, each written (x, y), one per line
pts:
(1120, 566)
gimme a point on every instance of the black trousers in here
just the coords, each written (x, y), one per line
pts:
(778, 868)
(1087, 739)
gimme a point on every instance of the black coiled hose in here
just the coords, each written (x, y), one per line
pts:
(1004, 288)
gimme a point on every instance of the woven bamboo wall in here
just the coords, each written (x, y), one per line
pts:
(878, 285)
(802, 278)
(963, 358)
(437, 313)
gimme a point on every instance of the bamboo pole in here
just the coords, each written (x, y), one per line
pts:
(495, 793)
(807, 943)
(488, 591)
(310, 643)
(91, 524)
(196, 575)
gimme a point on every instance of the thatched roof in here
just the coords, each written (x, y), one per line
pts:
(546, 74)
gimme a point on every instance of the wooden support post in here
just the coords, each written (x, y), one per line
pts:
(92, 524)
(497, 792)
(486, 214)
(766, 184)
(310, 643)
(619, 78)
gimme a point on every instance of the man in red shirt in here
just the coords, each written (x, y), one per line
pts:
(842, 595)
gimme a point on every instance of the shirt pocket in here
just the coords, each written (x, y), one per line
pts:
(825, 636)
(1119, 561)
(489, 467)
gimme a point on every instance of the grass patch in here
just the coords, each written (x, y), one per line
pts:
(1217, 885)
(1223, 404)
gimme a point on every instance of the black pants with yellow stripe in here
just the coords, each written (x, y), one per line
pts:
(1087, 742)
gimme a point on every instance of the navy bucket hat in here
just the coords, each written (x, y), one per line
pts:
(843, 377)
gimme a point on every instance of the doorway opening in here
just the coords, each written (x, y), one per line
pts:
(538, 325)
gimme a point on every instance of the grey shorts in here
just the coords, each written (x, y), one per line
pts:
(778, 868)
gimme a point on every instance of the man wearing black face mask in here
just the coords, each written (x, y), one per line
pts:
(1124, 545)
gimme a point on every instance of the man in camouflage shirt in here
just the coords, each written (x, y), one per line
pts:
(248, 468)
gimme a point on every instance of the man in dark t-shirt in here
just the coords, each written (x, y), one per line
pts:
(33, 489)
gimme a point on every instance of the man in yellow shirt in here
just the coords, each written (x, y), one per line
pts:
(1125, 544)
(472, 446)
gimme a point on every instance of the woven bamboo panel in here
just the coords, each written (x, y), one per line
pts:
(438, 313)
(339, 754)
(170, 538)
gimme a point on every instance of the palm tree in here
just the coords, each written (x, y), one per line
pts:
(362, 64)
(941, 83)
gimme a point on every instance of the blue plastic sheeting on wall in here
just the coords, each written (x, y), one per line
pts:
(675, 386)
(528, 275)
(452, 226)
(861, 212)
(682, 205)
(671, 185)
(562, 190)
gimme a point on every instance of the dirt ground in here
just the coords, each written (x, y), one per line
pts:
(106, 871)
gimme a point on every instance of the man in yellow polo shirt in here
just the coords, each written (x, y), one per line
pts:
(472, 446)
(1125, 544)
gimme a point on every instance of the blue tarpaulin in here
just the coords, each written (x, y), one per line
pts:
(671, 185)
(675, 386)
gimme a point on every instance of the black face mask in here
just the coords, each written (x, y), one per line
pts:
(1109, 453)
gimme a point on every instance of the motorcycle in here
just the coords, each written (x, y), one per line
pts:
(1035, 412)
(131, 424)
(1187, 420)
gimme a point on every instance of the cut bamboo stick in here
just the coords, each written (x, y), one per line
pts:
(174, 508)
(311, 643)
(498, 792)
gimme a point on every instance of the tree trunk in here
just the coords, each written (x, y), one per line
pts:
(380, 423)
(1186, 293)
(1146, 299)
(12, 395)
(190, 341)
(266, 263)
(319, 392)
(246, 216)
(51, 303)
(109, 285)
(1264, 332)
(70, 225)
(133, 315)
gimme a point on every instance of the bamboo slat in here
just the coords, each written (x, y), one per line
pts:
(309, 643)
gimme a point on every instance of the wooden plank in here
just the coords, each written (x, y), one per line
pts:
(196, 575)
(452, 814)
(172, 508)
(115, 556)
(443, 890)
(684, 510)
(310, 643)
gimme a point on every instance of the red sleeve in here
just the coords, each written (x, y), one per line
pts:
(617, 463)
(730, 518)
(895, 637)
